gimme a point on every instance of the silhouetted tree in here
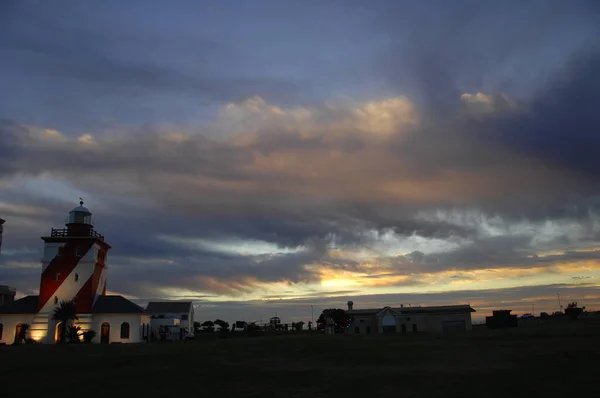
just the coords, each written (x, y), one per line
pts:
(196, 326)
(88, 336)
(208, 326)
(65, 313)
(338, 315)
(223, 326)
(298, 326)
(253, 329)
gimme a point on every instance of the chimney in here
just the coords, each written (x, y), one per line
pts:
(350, 304)
(7, 295)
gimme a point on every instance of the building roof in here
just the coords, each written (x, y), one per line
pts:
(116, 305)
(25, 305)
(172, 307)
(415, 310)
(103, 305)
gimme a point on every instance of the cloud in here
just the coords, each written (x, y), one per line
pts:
(471, 168)
(289, 176)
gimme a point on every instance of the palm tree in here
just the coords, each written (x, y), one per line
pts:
(74, 334)
(65, 312)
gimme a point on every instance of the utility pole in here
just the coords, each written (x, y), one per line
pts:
(559, 304)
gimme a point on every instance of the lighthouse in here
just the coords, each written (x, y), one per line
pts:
(74, 268)
(74, 264)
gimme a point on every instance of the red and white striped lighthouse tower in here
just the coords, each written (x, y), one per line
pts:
(74, 264)
(73, 268)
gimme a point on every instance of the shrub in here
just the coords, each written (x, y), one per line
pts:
(88, 336)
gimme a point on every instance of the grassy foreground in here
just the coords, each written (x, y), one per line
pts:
(533, 361)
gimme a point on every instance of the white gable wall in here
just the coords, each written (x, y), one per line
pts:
(9, 325)
(115, 321)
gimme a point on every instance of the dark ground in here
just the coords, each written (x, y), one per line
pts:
(542, 360)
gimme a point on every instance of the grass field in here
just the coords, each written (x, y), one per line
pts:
(538, 361)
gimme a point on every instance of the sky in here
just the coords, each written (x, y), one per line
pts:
(263, 157)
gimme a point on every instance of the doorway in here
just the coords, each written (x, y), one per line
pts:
(105, 333)
(58, 332)
(18, 332)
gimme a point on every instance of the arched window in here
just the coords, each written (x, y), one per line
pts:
(124, 330)
(1, 329)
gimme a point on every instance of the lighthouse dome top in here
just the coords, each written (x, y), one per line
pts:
(80, 215)
(81, 209)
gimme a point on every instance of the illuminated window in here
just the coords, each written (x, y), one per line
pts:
(76, 277)
(55, 300)
(124, 330)
(58, 276)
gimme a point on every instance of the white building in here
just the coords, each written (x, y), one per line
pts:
(74, 268)
(175, 318)
(438, 319)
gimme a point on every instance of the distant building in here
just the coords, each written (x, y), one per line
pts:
(501, 319)
(74, 268)
(439, 319)
(173, 319)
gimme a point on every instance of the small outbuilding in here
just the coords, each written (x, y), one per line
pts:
(434, 319)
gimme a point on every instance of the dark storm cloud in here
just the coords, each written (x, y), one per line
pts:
(562, 123)
(465, 46)
(528, 156)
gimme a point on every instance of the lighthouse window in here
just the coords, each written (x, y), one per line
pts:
(78, 251)
(58, 276)
(76, 277)
(55, 300)
(61, 250)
